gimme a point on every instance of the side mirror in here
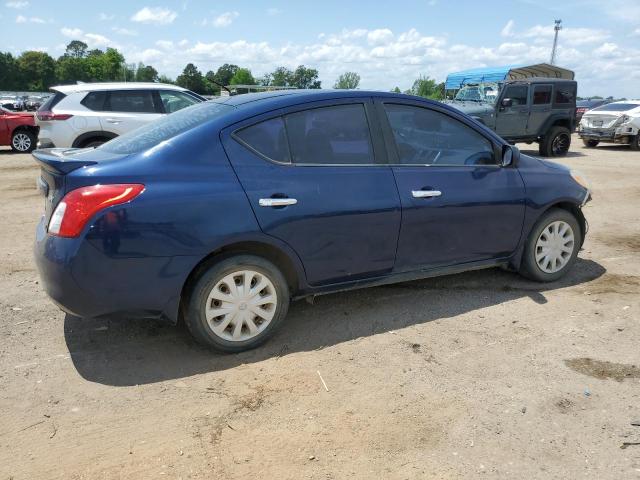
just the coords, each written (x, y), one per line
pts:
(510, 155)
(507, 102)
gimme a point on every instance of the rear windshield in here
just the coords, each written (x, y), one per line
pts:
(617, 107)
(52, 101)
(165, 128)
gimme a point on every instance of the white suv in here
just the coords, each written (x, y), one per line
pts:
(89, 114)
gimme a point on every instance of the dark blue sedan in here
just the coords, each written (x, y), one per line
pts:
(222, 213)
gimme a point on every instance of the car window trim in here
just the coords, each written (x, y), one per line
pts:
(392, 147)
(369, 112)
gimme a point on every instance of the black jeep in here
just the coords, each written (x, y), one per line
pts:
(530, 110)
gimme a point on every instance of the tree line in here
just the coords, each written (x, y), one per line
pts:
(37, 71)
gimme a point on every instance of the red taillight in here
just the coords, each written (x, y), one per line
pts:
(47, 115)
(78, 206)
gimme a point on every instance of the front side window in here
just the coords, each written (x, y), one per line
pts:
(267, 138)
(172, 101)
(336, 135)
(542, 94)
(131, 101)
(517, 94)
(427, 137)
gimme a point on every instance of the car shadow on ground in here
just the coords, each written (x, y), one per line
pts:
(122, 352)
(533, 152)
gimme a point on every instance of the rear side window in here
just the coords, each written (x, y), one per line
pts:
(52, 101)
(564, 95)
(94, 101)
(131, 101)
(541, 94)
(267, 138)
(517, 94)
(427, 137)
(336, 135)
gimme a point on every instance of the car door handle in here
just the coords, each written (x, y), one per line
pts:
(112, 120)
(425, 193)
(277, 202)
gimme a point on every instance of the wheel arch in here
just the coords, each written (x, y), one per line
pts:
(96, 134)
(29, 128)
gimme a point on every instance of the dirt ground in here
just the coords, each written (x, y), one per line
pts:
(478, 375)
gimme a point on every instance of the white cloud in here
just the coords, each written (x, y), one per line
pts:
(636, 33)
(225, 19)
(23, 19)
(379, 36)
(154, 15)
(105, 17)
(93, 40)
(574, 36)
(17, 4)
(124, 31)
(272, 12)
(165, 44)
(507, 31)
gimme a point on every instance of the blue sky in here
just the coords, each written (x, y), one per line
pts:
(388, 44)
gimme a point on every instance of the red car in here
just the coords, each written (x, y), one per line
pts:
(18, 130)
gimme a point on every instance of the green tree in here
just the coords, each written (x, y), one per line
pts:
(305, 78)
(9, 72)
(146, 73)
(71, 69)
(77, 49)
(224, 74)
(94, 65)
(280, 77)
(191, 79)
(396, 90)
(428, 88)
(165, 79)
(112, 64)
(348, 81)
(243, 76)
(37, 71)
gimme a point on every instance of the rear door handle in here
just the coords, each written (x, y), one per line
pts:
(112, 120)
(277, 202)
(425, 193)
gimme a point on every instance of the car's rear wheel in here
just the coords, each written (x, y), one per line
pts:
(635, 142)
(590, 143)
(556, 142)
(23, 141)
(236, 304)
(552, 246)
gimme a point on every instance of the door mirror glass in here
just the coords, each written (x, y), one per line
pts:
(507, 102)
(510, 154)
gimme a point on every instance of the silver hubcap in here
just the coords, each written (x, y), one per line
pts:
(554, 247)
(21, 141)
(241, 305)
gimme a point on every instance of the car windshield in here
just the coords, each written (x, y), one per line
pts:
(617, 107)
(481, 92)
(165, 128)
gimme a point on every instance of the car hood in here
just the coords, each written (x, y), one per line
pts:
(471, 108)
(527, 161)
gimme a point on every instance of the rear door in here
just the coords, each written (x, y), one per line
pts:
(540, 107)
(317, 179)
(511, 121)
(126, 110)
(458, 204)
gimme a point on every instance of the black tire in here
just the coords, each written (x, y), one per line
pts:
(556, 142)
(635, 142)
(94, 143)
(590, 143)
(23, 141)
(196, 303)
(529, 267)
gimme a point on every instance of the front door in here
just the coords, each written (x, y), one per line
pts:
(316, 181)
(511, 121)
(458, 204)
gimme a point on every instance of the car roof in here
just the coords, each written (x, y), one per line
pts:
(92, 87)
(541, 80)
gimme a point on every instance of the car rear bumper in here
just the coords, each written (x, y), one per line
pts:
(86, 282)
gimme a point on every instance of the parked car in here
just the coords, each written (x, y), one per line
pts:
(224, 211)
(10, 103)
(583, 106)
(89, 114)
(530, 110)
(33, 103)
(18, 130)
(617, 122)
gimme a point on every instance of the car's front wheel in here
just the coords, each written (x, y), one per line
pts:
(552, 246)
(236, 304)
(590, 143)
(23, 141)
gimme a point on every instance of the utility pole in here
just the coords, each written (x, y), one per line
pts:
(557, 29)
